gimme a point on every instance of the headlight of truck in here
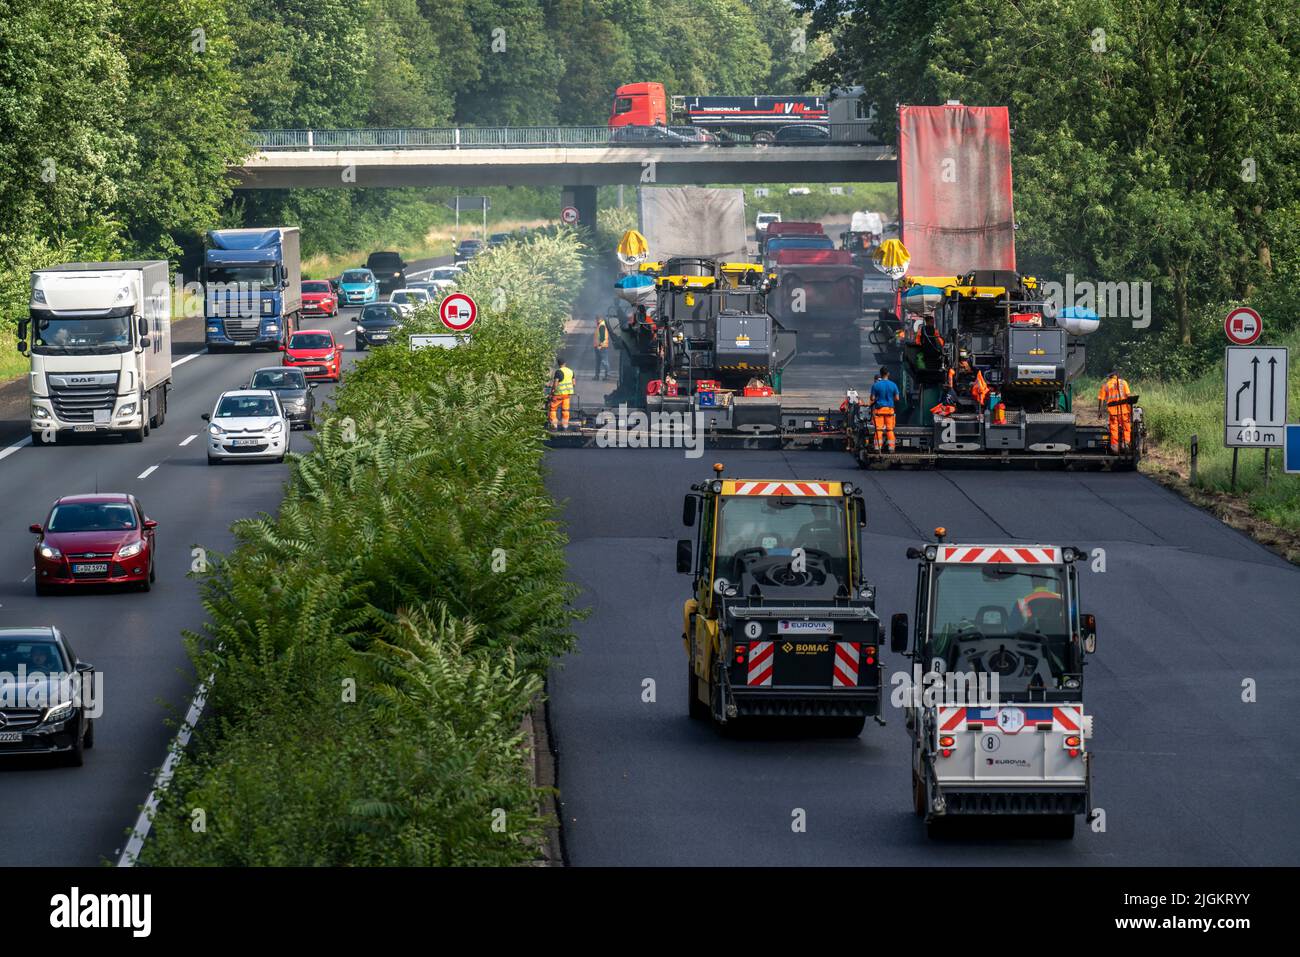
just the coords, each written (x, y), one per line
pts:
(131, 550)
(49, 551)
(128, 409)
(39, 413)
(60, 712)
(267, 306)
(272, 327)
(214, 329)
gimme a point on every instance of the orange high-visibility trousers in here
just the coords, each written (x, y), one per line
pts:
(1121, 425)
(560, 403)
(882, 419)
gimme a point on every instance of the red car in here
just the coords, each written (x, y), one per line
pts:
(319, 298)
(316, 353)
(102, 539)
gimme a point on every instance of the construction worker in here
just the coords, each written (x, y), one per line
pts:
(601, 342)
(884, 394)
(928, 335)
(561, 394)
(1114, 397)
(946, 406)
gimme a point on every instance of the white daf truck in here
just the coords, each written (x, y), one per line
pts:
(994, 706)
(100, 341)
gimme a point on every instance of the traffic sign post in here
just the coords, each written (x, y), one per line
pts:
(1243, 326)
(569, 215)
(1255, 396)
(457, 311)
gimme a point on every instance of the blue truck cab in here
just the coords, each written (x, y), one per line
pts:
(252, 287)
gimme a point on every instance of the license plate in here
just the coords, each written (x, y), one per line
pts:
(243, 343)
(805, 627)
(379, 338)
(312, 369)
(246, 442)
(83, 428)
(11, 737)
(94, 568)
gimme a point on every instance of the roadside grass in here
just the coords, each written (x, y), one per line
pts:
(1175, 411)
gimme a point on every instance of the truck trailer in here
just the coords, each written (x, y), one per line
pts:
(99, 339)
(252, 287)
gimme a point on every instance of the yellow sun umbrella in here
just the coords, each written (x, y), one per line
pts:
(632, 248)
(891, 257)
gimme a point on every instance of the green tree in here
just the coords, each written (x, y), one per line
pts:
(519, 69)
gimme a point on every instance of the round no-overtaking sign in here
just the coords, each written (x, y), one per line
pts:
(569, 215)
(1242, 326)
(457, 311)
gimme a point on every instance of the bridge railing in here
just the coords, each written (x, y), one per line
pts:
(482, 137)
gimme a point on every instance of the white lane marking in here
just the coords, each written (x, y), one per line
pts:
(184, 359)
(29, 574)
(5, 453)
(145, 821)
(147, 472)
(190, 439)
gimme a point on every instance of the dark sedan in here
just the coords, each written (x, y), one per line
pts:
(802, 136)
(48, 699)
(377, 324)
(658, 136)
(295, 392)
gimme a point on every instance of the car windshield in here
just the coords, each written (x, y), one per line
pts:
(411, 295)
(315, 286)
(91, 517)
(311, 340)
(774, 525)
(385, 312)
(250, 406)
(39, 656)
(1010, 620)
(278, 379)
(357, 275)
(82, 336)
(385, 261)
(244, 275)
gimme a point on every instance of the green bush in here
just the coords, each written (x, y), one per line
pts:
(376, 644)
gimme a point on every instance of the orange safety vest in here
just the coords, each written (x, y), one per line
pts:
(1000, 414)
(1113, 390)
(1037, 594)
(980, 389)
(601, 338)
(943, 409)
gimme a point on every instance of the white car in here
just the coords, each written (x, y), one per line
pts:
(763, 220)
(445, 273)
(410, 299)
(247, 424)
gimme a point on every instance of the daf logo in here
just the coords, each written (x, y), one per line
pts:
(81, 379)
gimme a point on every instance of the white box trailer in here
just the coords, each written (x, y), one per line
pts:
(100, 341)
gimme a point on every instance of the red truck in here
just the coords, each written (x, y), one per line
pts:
(819, 294)
(759, 117)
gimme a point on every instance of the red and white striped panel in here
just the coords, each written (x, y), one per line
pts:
(762, 657)
(951, 718)
(783, 488)
(1012, 554)
(1067, 719)
(844, 673)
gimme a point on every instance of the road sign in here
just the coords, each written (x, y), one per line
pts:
(1291, 457)
(1254, 401)
(457, 311)
(1243, 326)
(569, 215)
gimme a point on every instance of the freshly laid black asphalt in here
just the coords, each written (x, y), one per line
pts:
(1189, 612)
(53, 815)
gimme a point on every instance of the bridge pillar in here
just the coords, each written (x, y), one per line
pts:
(583, 199)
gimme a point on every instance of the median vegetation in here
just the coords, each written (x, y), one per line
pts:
(375, 647)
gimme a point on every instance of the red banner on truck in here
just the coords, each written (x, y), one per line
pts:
(954, 189)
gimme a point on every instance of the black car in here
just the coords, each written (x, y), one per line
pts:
(51, 710)
(802, 135)
(389, 269)
(377, 323)
(500, 239)
(295, 392)
(468, 249)
(658, 136)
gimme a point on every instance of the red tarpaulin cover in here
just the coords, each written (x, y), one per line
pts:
(828, 257)
(954, 189)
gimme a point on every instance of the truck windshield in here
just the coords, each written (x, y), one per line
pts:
(1012, 620)
(248, 275)
(761, 526)
(57, 336)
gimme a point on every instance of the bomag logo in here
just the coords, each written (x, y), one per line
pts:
(811, 648)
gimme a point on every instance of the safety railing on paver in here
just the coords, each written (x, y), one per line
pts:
(840, 134)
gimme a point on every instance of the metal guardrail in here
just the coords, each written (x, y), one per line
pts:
(523, 137)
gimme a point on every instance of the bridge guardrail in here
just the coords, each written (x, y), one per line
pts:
(524, 137)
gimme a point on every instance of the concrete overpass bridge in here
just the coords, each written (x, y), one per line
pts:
(578, 159)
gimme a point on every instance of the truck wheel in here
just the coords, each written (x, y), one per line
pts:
(38, 437)
(763, 136)
(697, 708)
(846, 727)
(90, 733)
(135, 435)
(936, 828)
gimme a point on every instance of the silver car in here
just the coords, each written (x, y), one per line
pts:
(247, 423)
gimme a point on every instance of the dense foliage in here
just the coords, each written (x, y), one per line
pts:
(376, 644)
